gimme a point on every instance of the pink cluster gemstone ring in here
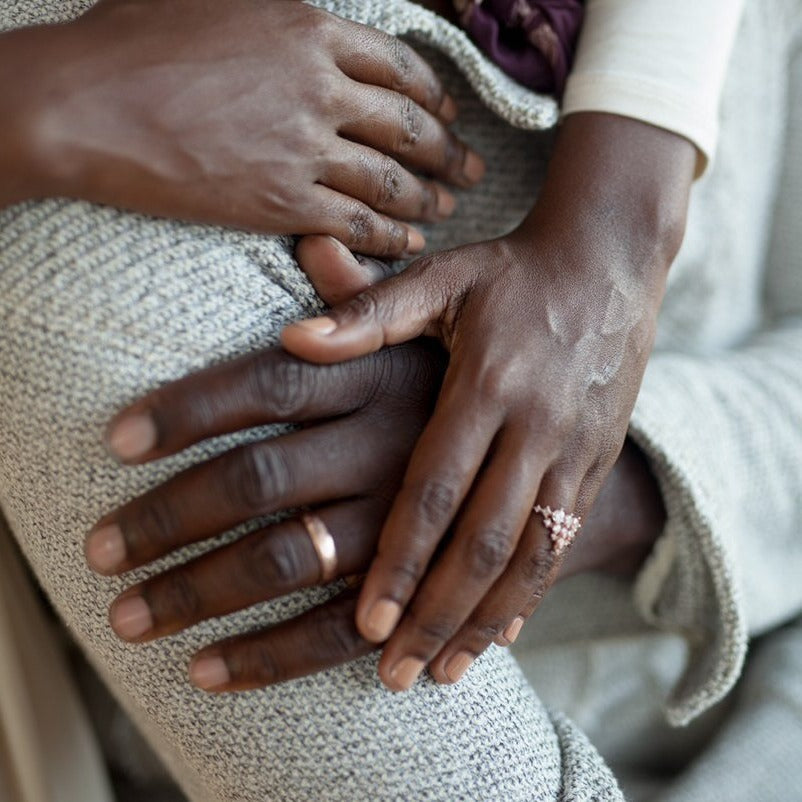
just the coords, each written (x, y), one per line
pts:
(562, 526)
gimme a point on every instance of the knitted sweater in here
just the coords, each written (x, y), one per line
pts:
(97, 306)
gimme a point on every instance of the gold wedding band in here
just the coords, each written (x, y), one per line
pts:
(323, 543)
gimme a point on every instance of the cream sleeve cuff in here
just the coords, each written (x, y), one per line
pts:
(662, 62)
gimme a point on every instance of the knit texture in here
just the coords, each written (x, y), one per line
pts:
(97, 306)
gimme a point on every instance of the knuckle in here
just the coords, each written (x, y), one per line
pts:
(256, 476)
(453, 154)
(179, 597)
(318, 25)
(363, 307)
(361, 228)
(282, 385)
(411, 124)
(483, 634)
(271, 562)
(435, 92)
(155, 527)
(434, 502)
(487, 633)
(390, 184)
(336, 636)
(255, 662)
(431, 630)
(487, 552)
(428, 206)
(405, 573)
(537, 567)
(402, 60)
(492, 384)
(395, 239)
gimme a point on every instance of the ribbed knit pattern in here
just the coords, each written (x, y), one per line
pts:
(97, 306)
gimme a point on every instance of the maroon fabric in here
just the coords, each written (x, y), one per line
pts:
(531, 40)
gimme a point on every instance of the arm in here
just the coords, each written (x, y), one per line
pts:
(549, 330)
(660, 62)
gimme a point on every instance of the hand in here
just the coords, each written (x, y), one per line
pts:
(349, 468)
(274, 116)
(549, 330)
(362, 419)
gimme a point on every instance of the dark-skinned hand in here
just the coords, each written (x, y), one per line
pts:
(549, 329)
(383, 401)
(271, 116)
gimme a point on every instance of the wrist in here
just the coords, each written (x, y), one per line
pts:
(20, 108)
(618, 189)
(32, 164)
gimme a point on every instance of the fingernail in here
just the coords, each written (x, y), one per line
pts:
(415, 240)
(209, 672)
(131, 618)
(318, 325)
(474, 167)
(105, 549)
(446, 203)
(514, 629)
(458, 665)
(406, 671)
(133, 436)
(381, 620)
(345, 252)
(448, 109)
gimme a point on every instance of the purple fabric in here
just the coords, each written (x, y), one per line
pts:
(531, 40)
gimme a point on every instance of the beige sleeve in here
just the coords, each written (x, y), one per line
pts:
(659, 61)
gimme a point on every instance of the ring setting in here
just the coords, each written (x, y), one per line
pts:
(562, 526)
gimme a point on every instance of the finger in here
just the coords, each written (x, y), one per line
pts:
(262, 565)
(267, 386)
(397, 126)
(515, 595)
(387, 61)
(360, 228)
(298, 469)
(443, 466)
(337, 274)
(399, 309)
(485, 539)
(383, 184)
(558, 484)
(321, 638)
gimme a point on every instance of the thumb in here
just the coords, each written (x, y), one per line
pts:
(393, 311)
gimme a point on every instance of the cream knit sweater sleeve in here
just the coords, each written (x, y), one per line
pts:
(659, 61)
(724, 434)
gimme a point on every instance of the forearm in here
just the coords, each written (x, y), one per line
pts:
(660, 61)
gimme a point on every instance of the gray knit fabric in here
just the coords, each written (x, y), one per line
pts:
(97, 306)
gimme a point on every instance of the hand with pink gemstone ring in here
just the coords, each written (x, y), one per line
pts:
(549, 329)
(361, 418)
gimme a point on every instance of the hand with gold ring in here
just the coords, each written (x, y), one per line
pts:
(361, 421)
